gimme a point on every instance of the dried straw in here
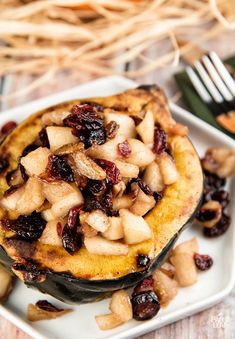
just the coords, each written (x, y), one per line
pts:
(98, 36)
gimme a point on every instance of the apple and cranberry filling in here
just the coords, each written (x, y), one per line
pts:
(89, 179)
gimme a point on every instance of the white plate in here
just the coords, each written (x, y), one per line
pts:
(212, 286)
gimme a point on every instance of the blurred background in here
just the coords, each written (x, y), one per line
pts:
(47, 46)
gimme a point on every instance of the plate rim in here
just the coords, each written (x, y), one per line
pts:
(177, 314)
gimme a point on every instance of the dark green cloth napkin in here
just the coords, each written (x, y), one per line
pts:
(194, 102)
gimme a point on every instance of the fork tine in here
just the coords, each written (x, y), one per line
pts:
(208, 82)
(216, 78)
(198, 85)
(225, 75)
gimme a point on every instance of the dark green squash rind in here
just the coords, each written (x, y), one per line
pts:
(66, 288)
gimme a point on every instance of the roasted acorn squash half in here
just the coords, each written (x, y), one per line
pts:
(85, 277)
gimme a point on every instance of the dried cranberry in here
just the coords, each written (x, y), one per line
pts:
(157, 196)
(222, 197)
(3, 164)
(160, 141)
(71, 240)
(144, 286)
(59, 229)
(96, 187)
(84, 115)
(28, 149)
(213, 181)
(90, 137)
(124, 149)
(98, 107)
(219, 228)
(8, 127)
(103, 201)
(44, 138)
(143, 260)
(206, 214)
(108, 201)
(112, 172)
(73, 217)
(59, 169)
(137, 120)
(87, 124)
(46, 306)
(145, 305)
(23, 172)
(92, 203)
(28, 227)
(203, 261)
(111, 129)
(143, 186)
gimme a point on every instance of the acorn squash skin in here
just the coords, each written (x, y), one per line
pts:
(68, 289)
(76, 285)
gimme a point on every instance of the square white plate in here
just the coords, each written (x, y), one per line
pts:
(212, 286)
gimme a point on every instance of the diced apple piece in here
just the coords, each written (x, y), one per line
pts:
(126, 124)
(140, 155)
(119, 189)
(32, 197)
(62, 207)
(108, 321)
(185, 269)
(165, 287)
(60, 136)
(135, 227)
(143, 204)
(88, 231)
(125, 201)
(108, 151)
(45, 206)
(146, 128)
(35, 313)
(101, 246)
(98, 220)
(48, 215)
(167, 168)
(50, 235)
(54, 118)
(212, 205)
(35, 162)
(121, 305)
(115, 230)
(57, 190)
(10, 201)
(190, 246)
(127, 170)
(153, 178)
(168, 269)
(87, 167)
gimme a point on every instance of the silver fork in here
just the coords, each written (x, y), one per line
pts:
(216, 87)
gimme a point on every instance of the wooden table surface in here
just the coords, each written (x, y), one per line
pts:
(217, 322)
